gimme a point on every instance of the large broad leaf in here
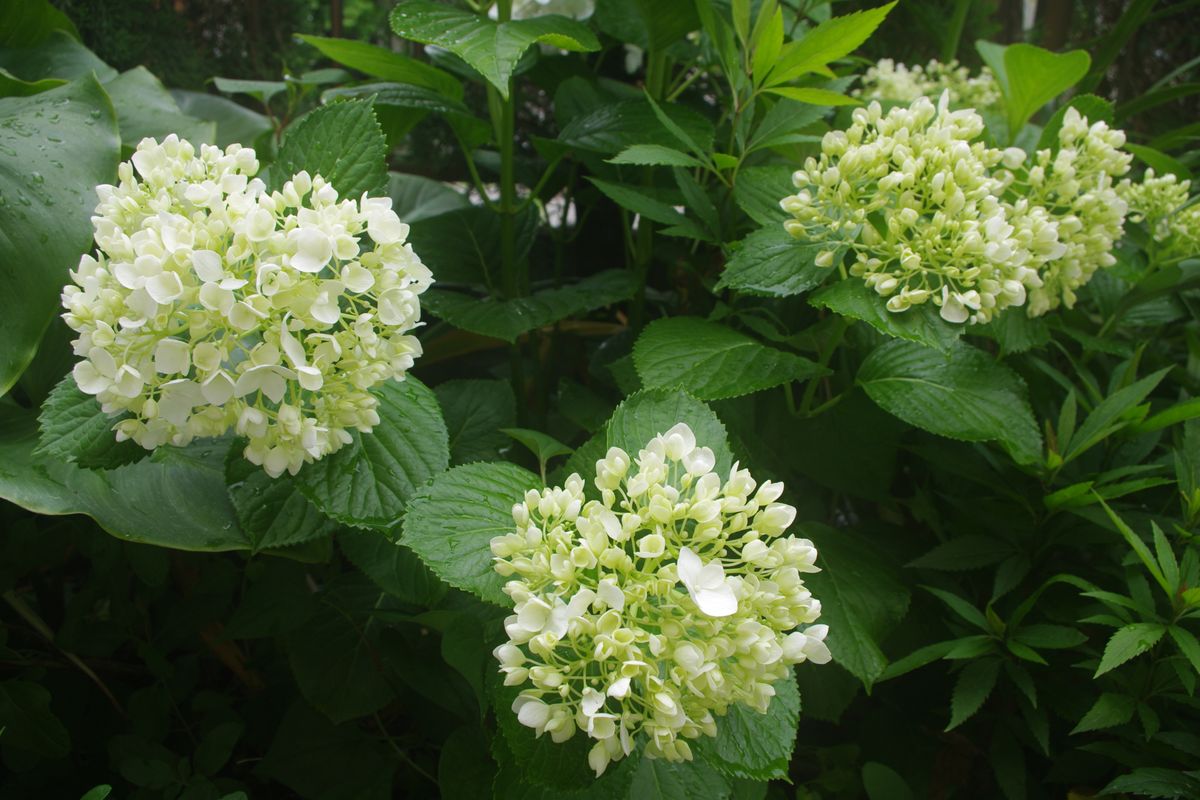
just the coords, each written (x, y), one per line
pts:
(74, 428)
(145, 108)
(653, 411)
(476, 411)
(415, 197)
(379, 62)
(175, 498)
(273, 511)
(758, 190)
(962, 394)
(491, 48)
(508, 319)
(771, 262)
(451, 522)
(342, 142)
(1034, 77)
(753, 745)
(55, 147)
(712, 361)
(235, 123)
(30, 22)
(59, 55)
(851, 298)
(862, 598)
(367, 483)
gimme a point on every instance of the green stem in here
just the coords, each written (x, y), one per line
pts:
(643, 254)
(835, 339)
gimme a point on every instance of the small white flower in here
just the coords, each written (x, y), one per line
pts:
(707, 584)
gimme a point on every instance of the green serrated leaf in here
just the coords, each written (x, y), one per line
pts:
(851, 298)
(833, 39)
(753, 745)
(367, 483)
(272, 511)
(711, 361)
(1108, 711)
(451, 522)
(963, 394)
(772, 263)
(651, 155)
(74, 428)
(972, 687)
(1129, 642)
(342, 143)
(646, 414)
(491, 48)
(475, 412)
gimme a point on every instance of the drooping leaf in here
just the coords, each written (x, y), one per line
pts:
(711, 361)
(491, 48)
(235, 123)
(59, 55)
(342, 142)
(451, 522)
(963, 394)
(367, 483)
(46, 221)
(415, 197)
(145, 108)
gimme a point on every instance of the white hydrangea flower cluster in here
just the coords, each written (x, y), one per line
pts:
(918, 199)
(215, 305)
(652, 610)
(1161, 202)
(889, 80)
(1077, 186)
(932, 214)
(526, 9)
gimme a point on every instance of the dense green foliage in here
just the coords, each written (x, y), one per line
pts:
(1006, 513)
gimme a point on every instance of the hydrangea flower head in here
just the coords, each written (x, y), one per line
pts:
(889, 80)
(214, 305)
(647, 613)
(1077, 185)
(918, 199)
(1161, 201)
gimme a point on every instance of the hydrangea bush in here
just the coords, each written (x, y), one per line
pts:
(398, 428)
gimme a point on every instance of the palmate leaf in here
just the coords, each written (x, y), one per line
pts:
(711, 361)
(491, 48)
(962, 394)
